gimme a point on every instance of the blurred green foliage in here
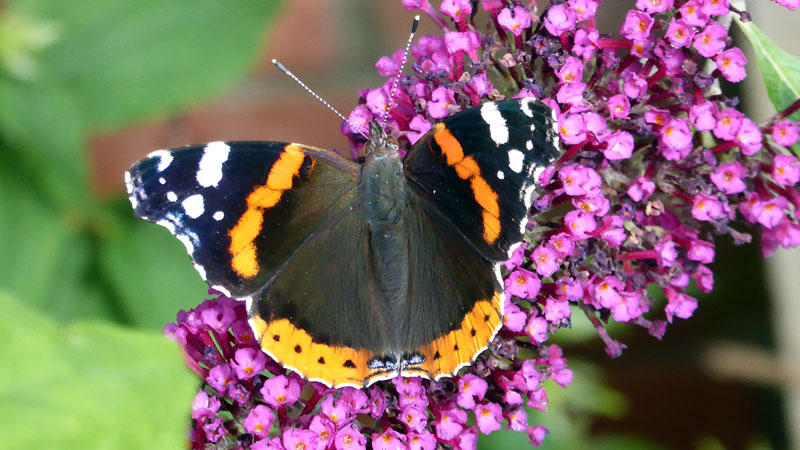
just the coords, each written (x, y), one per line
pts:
(77, 275)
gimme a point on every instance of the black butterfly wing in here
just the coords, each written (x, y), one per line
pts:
(455, 295)
(478, 167)
(273, 224)
(241, 208)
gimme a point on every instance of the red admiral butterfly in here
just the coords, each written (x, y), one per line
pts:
(355, 272)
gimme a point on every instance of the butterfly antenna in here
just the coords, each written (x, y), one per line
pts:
(283, 69)
(414, 26)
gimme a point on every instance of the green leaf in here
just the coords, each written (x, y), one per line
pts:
(41, 125)
(89, 385)
(150, 272)
(781, 70)
(46, 258)
(130, 59)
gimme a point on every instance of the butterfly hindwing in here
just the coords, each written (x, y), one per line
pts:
(455, 298)
(240, 208)
(479, 167)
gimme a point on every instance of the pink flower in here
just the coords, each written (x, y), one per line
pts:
(748, 138)
(523, 284)
(653, 6)
(350, 438)
(470, 388)
(547, 261)
(692, 13)
(679, 33)
(585, 42)
(414, 418)
(770, 213)
(619, 146)
(560, 19)
(785, 133)
(607, 292)
(259, 420)
(716, 7)
(388, 440)
(636, 25)
(536, 329)
(467, 41)
(561, 243)
(221, 377)
(728, 123)
(556, 310)
(280, 390)
(515, 21)
(388, 67)
(420, 126)
(205, 406)
(728, 177)
(294, 438)
(442, 104)
(618, 106)
(675, 141)
(456, 9)
(572, 129)
(514, 318)
(630, 308)
(536, 435)
(249, 362)
(451, 423)
(424, 440)
(339, 412)
(517, 419)
(701, 251)
(641, 189)
(579, 180)
(679, 305)
(711, 40)
(731, 63)
(706, 208)
(571, 71)
(786, 170)
(580, 223)
(703, 116)
(489, 417)
(571, 94)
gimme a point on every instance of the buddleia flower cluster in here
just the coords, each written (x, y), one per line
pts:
(657, 163)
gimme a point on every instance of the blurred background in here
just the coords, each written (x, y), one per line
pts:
(88, 87)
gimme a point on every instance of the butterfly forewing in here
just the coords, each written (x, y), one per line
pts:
(241, 208)
(479, 167)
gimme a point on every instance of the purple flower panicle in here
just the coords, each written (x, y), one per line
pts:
(656, 164)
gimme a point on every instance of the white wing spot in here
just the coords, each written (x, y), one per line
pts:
(161, 180)
(218, 215)
(187, 242)
(529, 145)
(193, 206)
(210, 169)
(515, 160)
(500, 174)
(497, 125)
(526, 107)
(164, 159)
(128, 184)
(171, 196)
(201, 270)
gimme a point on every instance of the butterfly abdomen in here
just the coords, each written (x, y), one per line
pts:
(382, 199)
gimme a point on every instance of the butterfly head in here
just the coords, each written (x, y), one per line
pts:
(379, 140)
